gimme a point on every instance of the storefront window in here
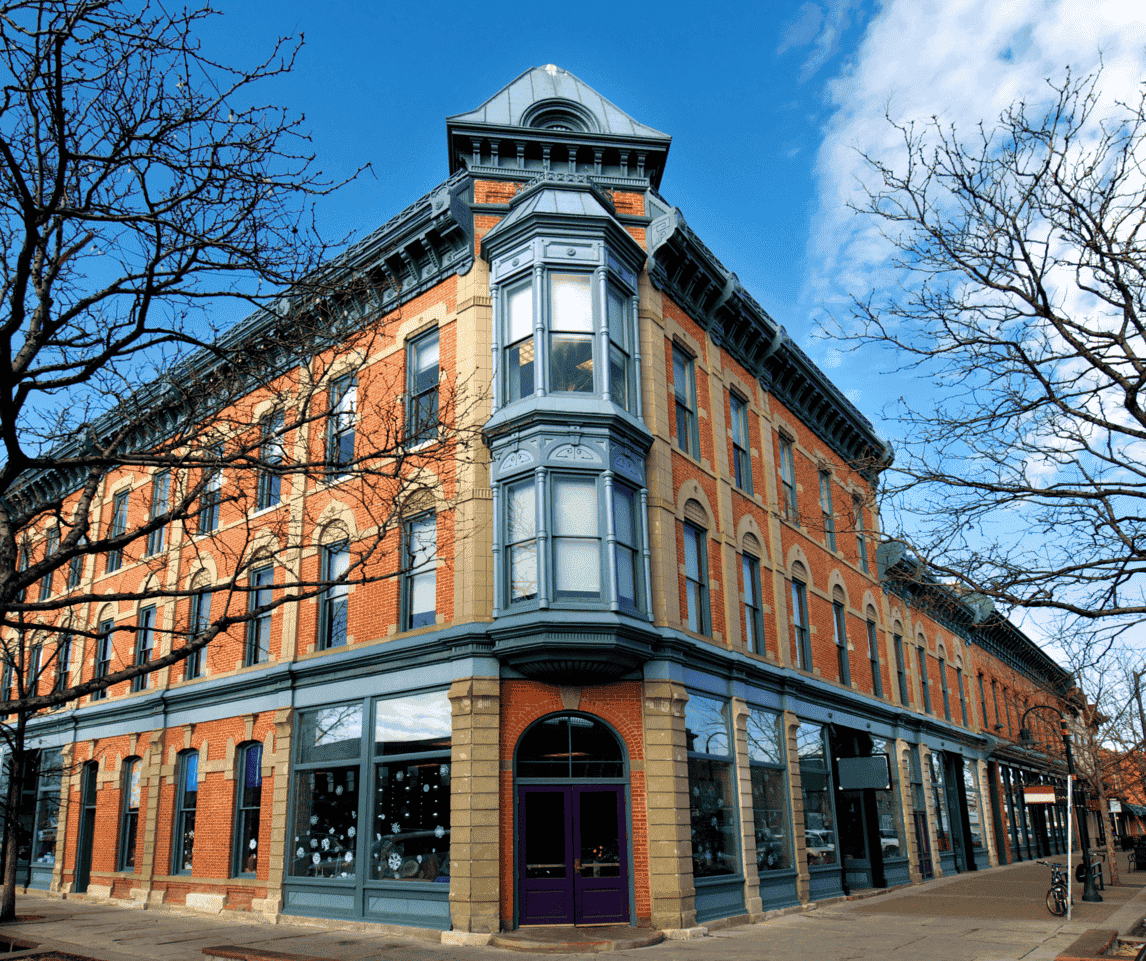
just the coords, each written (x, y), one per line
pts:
(411, 836)
(887, 808)
(769, 792)
(711, 787)
(815, 778)
(325, 830)
(939, 796)
(974, 808)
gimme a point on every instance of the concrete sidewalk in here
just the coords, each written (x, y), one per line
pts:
(994, 915)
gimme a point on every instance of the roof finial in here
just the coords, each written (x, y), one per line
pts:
(551, 69)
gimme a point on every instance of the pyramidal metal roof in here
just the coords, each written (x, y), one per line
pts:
(510, 106)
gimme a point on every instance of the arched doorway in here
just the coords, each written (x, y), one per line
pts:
(572, 837)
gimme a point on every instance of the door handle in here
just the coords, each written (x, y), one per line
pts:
(577, 865)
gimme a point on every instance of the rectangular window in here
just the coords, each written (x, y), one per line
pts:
(144, 645)
(76, 569)
(185, 803)
(620, 352)
(788, 479)
(696, 578)
(827, 510)
(962, 694)
(943, 687)
(117, 528)
(800, 625)
(248, 805)
(63, 660)
(519, 353)
(22, 565)
(995, 696)
(627, 539)
(103, 655)
(983, 702)
(50, 548)
(571, 333)
(873, 658)
(684, 389)
(576, 540)
(259, 626)
(770, 805)
(861, 540)
(212, 489)
(741, 447)
(839, 620)
(521, 540)
(753, 615)
(6, 683)
(334, 601)
(420, 587)
(422, 388)
(816, 780)
(35, 661)
(270, 460)
(924, 681)
(340, 422)
(900, 669)
(160, 491)
(129, 818)
(200, 620)
(712, 788)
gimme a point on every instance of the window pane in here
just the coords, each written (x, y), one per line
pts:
(626, 574)
(333, 732)
(426, 363)
(520, 309)
(571, 363)
(574, 507)
(680, 379)
(770, 819)
(624, 515)
(326, 826)
(711, 806)
(706, 724)
(619, 377)
(577, 566)
(691, 554)
(819, 822)
(572, 307)
(411, 839)
(519, 371)
(521, 511)
(764, 738)
(417, 722)
(618, 328)
(523, 571)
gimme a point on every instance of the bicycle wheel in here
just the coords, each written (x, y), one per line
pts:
(1056, 902)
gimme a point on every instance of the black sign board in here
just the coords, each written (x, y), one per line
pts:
(861, 773)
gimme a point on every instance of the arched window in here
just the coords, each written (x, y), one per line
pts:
(248, 804)
(129, 813)
(801, 634)
(186, 798)
(750, 585)
(695, 535)
(569, 746)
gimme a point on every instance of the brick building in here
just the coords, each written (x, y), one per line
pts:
(652, 659)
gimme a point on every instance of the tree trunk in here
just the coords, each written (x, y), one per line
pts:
(11, 827)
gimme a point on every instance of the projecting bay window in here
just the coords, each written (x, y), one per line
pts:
(571, 540)
(578, 324)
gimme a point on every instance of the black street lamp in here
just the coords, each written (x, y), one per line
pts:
(1089, 891)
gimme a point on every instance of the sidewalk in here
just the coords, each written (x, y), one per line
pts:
(994, 915)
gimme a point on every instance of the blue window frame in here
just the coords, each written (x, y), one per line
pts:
(422, 388)
(186, 801)
(117, 528)
(420, 573)
(340, 424)
(270, 460)
(260, 594)
(741, 446)
(696, 578)
(753, 613)
(334, 600)
(160, 494)
(248, 808)
(684, 393)
(144, 645)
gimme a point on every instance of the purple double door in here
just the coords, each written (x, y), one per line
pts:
(572, 855)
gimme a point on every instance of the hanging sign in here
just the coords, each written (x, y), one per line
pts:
(1039, 793)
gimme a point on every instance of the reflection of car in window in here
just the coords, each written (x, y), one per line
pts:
(821, 847)
(769, 850)
(889, 843)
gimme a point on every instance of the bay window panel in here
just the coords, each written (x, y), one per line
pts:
(571, 303)
(521, 531)
(571, 363)
(619, 376)
(625, 529)
(519, 377)
(576, 545)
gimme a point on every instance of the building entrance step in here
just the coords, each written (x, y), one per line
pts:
(567, 939)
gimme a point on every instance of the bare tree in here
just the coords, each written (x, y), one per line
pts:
(1021, 289)
(140, 186)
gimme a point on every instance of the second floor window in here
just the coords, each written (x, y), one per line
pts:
(839, 620)
(962, 694)
(983, 702)
(696, 578)
(861, 540)
(900, 670)
(144, 645)
(270, 458)
(212, 489)
(741, 447)
(802, 635)
(924, 681)
(76, 569)
(520, 376)
(570, 333)
(827, 510)
(63, 660)
(873, 658)
(684, 391)
(259, 626)
(943, 687)
(576, 542)
(160, 492)
(420, 580)
(753, 615)
(626, 527)
(117, 528)
(790, 505)
(199, 621)
(422, 387)
(333, 603)
(340, 424)
(103, 655)
(521, 540)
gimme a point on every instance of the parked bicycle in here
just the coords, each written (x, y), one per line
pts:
(1056, 896)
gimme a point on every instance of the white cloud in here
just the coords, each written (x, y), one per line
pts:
(963, 61)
